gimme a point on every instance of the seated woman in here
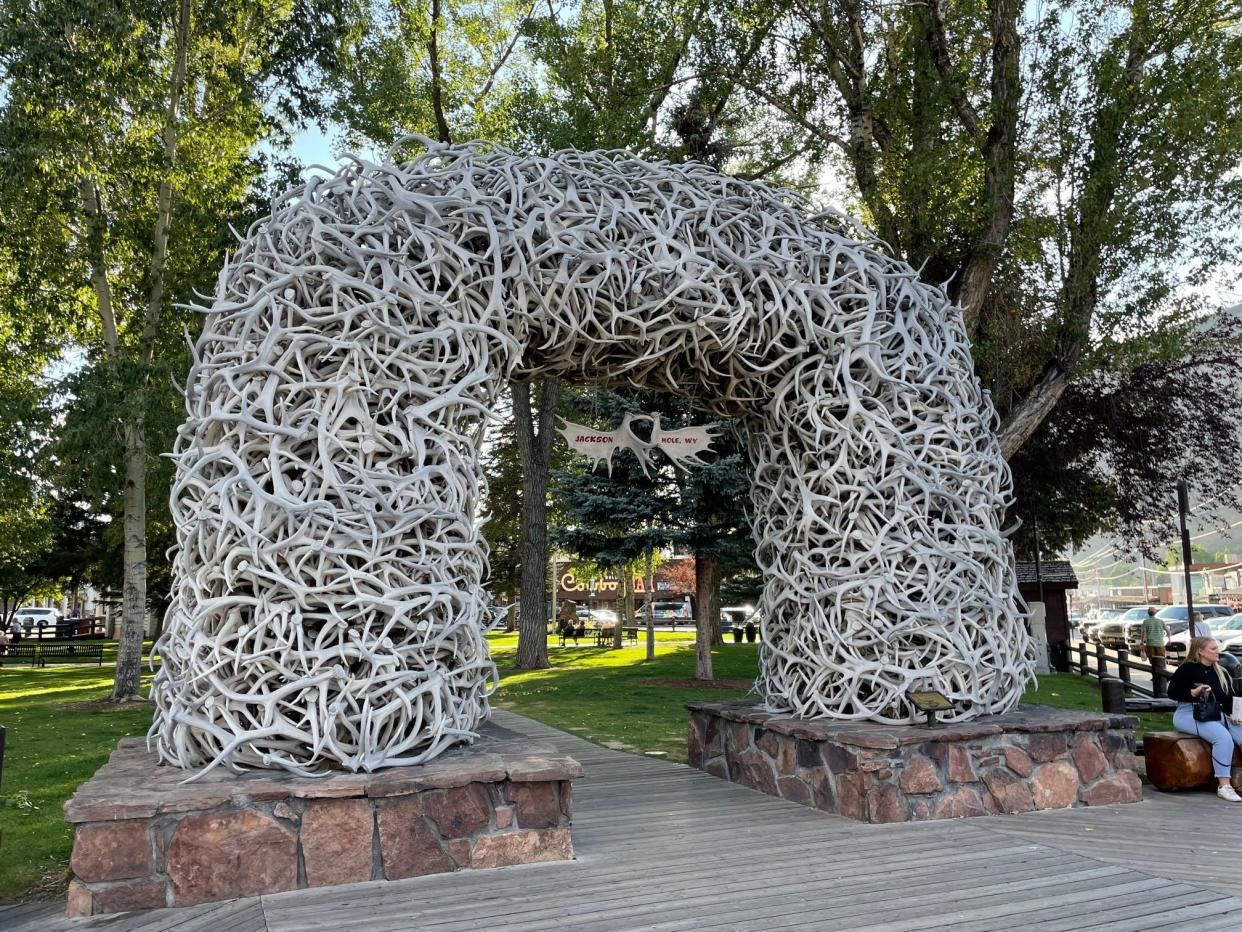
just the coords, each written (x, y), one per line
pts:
(1201, 675)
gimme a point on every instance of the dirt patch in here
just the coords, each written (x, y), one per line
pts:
(102, 705)
(699, 684)
(53, 884)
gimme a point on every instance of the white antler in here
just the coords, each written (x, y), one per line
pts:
(328, 606)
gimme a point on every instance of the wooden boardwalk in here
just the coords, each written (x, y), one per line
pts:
(663, 847)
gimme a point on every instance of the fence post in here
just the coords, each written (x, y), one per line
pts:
(1101, 661)
(1082, 658)
(1159, 678)
(1123, 667)
(1113, 695)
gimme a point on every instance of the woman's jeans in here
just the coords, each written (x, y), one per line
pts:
(1222, 735)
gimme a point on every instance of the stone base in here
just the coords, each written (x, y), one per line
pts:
(143, 839)
(1032, 758)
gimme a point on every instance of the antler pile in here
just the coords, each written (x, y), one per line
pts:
(328, 607)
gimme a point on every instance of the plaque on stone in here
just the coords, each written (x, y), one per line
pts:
(929, 701)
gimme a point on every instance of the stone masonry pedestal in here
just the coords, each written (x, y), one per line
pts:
(144, 839)
(1032, 758)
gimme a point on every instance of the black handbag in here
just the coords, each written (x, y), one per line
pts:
(1207, 709)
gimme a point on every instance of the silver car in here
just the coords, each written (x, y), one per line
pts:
(1126, 630)
(1216, 617)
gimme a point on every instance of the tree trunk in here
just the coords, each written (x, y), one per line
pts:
(437, 78)
(707, 572)
(134, 616)
(1026, 417)
(133, 620)
(999, 146)
(648, 605)
(534, 449)
(625, 606)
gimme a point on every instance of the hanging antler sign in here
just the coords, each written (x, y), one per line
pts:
(681, 446)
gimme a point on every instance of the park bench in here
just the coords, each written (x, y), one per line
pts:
(69, 653)
(20, 653)
(1178, 761)
(582, 635)
(604, 636)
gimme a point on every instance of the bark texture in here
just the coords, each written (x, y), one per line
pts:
(648, 605)
(125, 685)
(707, 572)
(534, 442)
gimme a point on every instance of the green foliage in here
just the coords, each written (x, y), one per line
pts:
(92, 153)
(384, 81)
(1084, 165)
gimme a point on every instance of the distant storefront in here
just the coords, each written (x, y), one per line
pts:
(674, 579)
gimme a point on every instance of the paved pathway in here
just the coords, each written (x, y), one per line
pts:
(663, 847)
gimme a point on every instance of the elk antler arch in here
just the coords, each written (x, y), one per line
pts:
(328, 606)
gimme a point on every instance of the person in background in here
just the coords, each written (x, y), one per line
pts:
(1201, 677)
(1201, 628)
(4, 644)
(566, 620)
(1155, 634)
(15, 631)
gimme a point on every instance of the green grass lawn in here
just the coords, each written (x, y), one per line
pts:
(613, 698)
(50, 749)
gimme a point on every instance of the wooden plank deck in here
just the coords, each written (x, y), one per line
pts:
(663, 847)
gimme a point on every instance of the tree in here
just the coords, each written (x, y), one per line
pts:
(445, 69)
(1067, 168)
(714, 524)
(502, 528)
(1163, 416)
(534, 434)
(129, 139)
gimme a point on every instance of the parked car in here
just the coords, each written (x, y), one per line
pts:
(664, 612)
(1216, 617)
(603, 618)
(1230, 634)
(38, 622)
(1123, 630)
(1090, 626)
(1089, 630)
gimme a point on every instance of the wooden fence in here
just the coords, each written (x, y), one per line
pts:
(1093, 660)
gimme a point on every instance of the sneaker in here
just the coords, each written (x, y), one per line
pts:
(1228, 793)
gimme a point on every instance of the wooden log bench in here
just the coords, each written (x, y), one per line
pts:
(1177, 761)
